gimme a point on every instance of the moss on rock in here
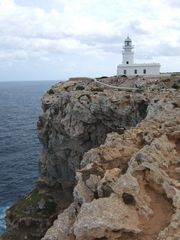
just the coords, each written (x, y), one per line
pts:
(33, 214)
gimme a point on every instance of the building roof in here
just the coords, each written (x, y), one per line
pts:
(139, 65)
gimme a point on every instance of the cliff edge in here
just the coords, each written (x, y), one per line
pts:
(113, 156)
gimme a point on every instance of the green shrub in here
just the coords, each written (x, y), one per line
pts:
(124, 76)
(50, 91)
(102, 77)
(79, 87)
(176, 84)
(97, 89)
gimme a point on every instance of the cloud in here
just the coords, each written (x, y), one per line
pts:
(174, 3)
(166, 49)
(59, 29)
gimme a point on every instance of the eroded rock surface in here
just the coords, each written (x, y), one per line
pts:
(117, 153)
(77, 117)
(128, 188)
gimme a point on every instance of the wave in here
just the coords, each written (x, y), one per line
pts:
(2, 218)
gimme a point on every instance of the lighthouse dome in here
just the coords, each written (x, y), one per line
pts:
(128, 39)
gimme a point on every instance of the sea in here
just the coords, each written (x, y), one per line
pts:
(20, 106)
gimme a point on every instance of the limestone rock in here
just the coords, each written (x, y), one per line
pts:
(117, 153)
(77, 117)
(105, 218)
(128, 187)
(62, 227)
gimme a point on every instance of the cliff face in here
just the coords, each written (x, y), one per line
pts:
(78, 117)
(128, 187)
(116, 152)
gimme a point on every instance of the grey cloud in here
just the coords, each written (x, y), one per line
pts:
(108, 44)
(174, 3)
(175, 25)
(96, 39)
(34, 3)
(10, 56)
(135, 28)
(27, 32)
(165, 49)
(161, 49)
(113, 43)
(112, 48)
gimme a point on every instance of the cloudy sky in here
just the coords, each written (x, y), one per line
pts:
(57, 39)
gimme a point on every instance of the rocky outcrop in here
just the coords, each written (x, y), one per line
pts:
(110, 164)
(33, 214)
(78, 116)
(129, 186)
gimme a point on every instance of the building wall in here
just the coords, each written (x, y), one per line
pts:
(151, 69)
(128, 57)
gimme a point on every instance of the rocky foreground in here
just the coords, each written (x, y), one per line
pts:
(110, 166)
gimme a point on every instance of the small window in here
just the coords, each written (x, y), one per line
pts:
(135, 71)
(125, 72)
(127, 43)
(144, 71)
(127, 62)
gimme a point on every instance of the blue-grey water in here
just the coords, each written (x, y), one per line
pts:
(20, 106)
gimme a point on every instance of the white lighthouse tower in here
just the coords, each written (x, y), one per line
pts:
(128, 54)
(129, 68)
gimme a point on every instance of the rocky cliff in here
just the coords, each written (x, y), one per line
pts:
(117, 153)
(78, 116)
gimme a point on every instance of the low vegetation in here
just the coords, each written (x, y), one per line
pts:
(50, 91)
(79, 87)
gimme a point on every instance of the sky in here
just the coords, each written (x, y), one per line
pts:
(58, 39)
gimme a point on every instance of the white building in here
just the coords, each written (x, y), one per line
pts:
(128, 67)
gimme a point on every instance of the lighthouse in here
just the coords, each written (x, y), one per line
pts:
(128, 54)
(129, 68)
